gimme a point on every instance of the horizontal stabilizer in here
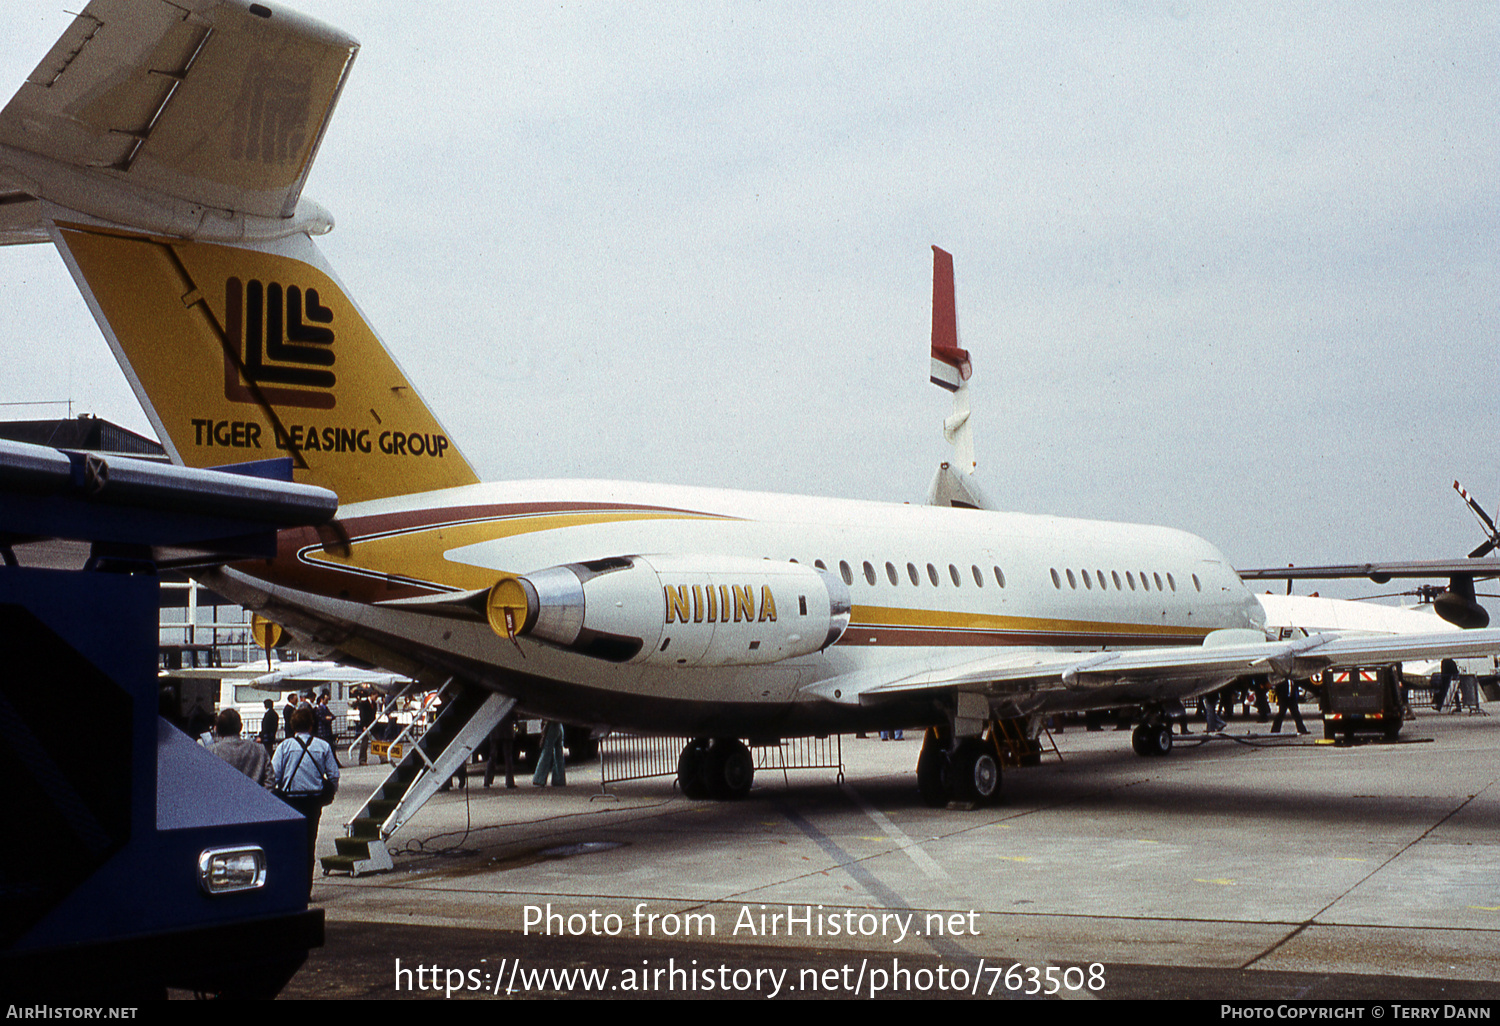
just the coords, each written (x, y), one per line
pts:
(176, 117)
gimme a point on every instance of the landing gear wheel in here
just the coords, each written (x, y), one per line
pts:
(934, 776)
(690, 766)
(976, 772)
(729, 769)
(1152, 739)
(1161, 738)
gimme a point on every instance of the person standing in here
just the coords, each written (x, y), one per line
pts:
(1214, 722)
(268, 724)
(502, 745)
(306, 777)
(550, 760)
(1286, 700)
(249, 757)
(325, 724)
(365, 705)
(286, 713)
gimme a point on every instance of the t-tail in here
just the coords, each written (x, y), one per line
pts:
(163, 148)
(954, 483)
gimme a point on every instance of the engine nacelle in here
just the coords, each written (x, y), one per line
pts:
(670, 610)
(1459, 605)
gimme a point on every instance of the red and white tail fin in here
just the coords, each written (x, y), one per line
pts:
(950, 364)
(954, 484)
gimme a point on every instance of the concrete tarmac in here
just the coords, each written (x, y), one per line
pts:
(1249, 866)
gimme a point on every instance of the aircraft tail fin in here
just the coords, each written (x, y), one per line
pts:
(951, 369)
(950, 364)
(165, 146)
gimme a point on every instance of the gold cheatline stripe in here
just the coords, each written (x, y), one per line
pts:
(936, 619)
(420, 553)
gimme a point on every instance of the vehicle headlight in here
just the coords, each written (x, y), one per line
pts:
(227, 870)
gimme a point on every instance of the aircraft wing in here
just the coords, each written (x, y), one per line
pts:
(1379, 572)
(1185, 671)
(289, 676)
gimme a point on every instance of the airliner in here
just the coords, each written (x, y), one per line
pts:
(163, 147)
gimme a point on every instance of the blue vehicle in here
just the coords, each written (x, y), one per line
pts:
(138, 861)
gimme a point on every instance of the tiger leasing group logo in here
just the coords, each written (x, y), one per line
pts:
(280, 347)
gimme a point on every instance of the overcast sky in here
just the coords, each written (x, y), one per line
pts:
(1229, 269)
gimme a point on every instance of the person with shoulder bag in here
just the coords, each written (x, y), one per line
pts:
(306, 777)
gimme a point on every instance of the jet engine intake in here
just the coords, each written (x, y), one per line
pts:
(675, 610)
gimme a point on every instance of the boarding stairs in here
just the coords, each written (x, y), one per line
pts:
(468, 715)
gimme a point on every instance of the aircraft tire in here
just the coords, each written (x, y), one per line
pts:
(691, 764)
(729, 769)
(976, 773)
(934, 777)
(1152, 739)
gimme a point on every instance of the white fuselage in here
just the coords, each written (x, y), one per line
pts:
(923, 581)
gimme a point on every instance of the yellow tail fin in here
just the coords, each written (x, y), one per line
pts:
(251, 351)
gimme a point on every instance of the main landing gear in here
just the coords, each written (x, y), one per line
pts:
(966, 772)
(1152, 737)
(720, 768)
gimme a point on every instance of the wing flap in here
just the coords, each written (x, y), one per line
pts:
(1190, 670)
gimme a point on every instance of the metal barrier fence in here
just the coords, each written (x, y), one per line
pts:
(801, 753)
(640, 757)
(637, 757)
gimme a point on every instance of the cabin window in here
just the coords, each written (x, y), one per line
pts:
(999, 577)
(1056, 581)
(1171, 582)
(953, 573)
(1088, 580)
(1157, 578)
(978, 577)
(1130, 579)
(1197, 586)
(869, 572)
(847, 574)
(911, 571)
(819, 564)
(1072, 581)
(890, 571)
(1103, 583)
(1115, 574)
(932, 574)
(1145, 581)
